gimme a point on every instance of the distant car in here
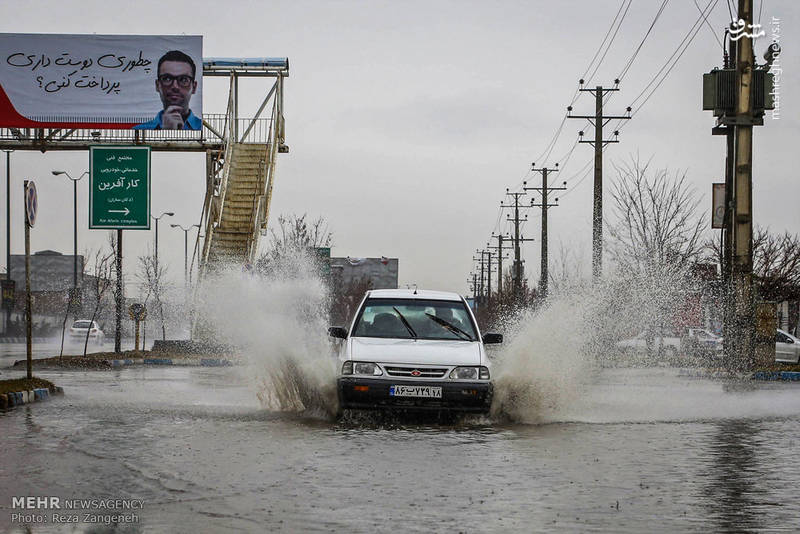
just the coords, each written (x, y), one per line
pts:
(671, 344)
(414, 350)
(702, 340)
(79, 328)
(787, 347)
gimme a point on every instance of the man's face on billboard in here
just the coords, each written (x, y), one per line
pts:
(175, 85)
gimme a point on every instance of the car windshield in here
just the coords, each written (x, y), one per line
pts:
(427, 319)
(81, 324)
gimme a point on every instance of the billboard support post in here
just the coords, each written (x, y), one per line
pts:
(118, 329)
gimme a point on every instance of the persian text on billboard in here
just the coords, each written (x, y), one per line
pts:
(101, 81)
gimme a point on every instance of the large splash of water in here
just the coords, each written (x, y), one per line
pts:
(278, 321)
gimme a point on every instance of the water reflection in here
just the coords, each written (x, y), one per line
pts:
(732, 491)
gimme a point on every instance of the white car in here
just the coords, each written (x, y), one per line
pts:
(787, 347)
(414, 350)
(79, 328)
(671, 344)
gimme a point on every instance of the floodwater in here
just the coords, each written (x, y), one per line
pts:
(636, 450)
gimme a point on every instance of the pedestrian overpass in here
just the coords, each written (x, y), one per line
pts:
(240, 157)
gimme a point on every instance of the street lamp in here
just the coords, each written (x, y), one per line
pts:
(170, 214)
(75, 225)
(185, 249)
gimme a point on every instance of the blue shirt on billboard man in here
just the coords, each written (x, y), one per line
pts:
(175, 84)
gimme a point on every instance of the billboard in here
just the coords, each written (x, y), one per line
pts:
(101, 81)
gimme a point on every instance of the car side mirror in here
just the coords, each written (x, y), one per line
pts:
(490, 338)
(337, 331)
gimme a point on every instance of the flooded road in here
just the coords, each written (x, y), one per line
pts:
(639, 450)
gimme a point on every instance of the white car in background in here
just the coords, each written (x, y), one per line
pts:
(666, 341)
(414, 350)
(787, 347)
(78, 330)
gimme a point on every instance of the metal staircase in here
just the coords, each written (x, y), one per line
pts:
(240, 180)
(232, 239)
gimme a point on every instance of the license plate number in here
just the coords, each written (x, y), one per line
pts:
(416, 391)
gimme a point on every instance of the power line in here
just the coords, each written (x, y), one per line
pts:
(709, 25)
(646, 35)
(682, 46)
(609, 43)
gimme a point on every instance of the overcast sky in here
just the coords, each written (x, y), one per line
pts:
(408, 120)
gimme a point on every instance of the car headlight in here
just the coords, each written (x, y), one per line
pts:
(347, 368)
(362, 368)
(469, 373)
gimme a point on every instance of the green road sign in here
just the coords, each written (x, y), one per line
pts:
(119, 187)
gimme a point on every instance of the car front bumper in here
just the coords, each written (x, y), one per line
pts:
(373, 394)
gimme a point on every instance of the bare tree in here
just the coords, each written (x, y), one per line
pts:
(658, 221)
(151, 277)
(776, 263)
(294, 234)
(655, 241)
(100, 282)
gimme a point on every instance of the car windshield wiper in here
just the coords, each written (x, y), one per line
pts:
(405, 323)
(449, 326)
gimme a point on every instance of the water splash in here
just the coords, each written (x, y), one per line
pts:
(538, 370)
(278, 321)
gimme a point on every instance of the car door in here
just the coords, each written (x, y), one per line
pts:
(786, 350)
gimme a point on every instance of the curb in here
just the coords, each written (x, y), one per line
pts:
(777, 375)
(37, 340)
(18, 398)
(185, 362)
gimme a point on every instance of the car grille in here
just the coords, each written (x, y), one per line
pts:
(424, 372)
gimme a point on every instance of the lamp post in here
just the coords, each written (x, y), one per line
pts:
(75, 224)
(8, 231)
(185, 250)
(170, 214)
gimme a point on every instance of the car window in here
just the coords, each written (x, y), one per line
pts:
(81, 324)
(782, 338)
(380, 318)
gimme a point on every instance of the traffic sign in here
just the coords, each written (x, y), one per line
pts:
(119, 187)
(31, 202)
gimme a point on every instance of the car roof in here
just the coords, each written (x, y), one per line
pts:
(413, 294)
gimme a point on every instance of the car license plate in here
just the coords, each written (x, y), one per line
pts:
(416, 391)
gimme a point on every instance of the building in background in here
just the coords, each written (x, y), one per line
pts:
(351, 277)
(380, 272)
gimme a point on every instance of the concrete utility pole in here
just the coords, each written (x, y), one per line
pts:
(544, 205)
(481, 286)
(598, 120)
(119, 298)
(500, 257)
(517, 239)
(743, 304)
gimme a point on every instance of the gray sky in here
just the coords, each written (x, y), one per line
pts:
(407, 120)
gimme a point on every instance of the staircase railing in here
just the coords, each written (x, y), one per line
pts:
(216, 203)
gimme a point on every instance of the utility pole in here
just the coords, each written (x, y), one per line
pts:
(500, 248)
(517, 239)
(481, 297)
(8, 238)
(544, 205)
(598, 120)
(744, 323)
